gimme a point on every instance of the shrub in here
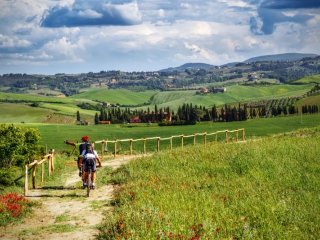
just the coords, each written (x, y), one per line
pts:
(18, 146)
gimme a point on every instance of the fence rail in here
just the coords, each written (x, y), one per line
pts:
(33, 167)
(229, 135)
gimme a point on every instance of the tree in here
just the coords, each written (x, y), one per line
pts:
(96, 118)
(78, 116)
(18, 146)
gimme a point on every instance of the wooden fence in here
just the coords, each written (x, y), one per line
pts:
(33, 167)
(232, 135)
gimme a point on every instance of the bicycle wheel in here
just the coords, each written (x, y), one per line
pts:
(89, 181)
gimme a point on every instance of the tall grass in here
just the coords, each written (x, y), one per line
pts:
(266, 189)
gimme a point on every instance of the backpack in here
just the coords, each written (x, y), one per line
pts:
(87, 147)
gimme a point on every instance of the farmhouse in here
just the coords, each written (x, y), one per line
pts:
(82, 122)
(135, 120)
(253, 76)
(104, 122)
(219, 90)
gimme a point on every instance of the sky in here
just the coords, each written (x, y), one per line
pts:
(79, 36)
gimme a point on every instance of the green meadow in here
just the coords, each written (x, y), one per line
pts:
(116, 96)
(266, 189)
(234, 94)
(53, 135)
(17, 113)
(309, 79)
(311, 100)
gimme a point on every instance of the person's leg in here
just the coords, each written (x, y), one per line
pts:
(93, 178)
(94, 175)
(85, 174)
(80, 160)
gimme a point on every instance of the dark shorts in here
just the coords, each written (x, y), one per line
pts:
(89, 162)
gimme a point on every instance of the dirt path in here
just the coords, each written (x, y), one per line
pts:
(66, 213)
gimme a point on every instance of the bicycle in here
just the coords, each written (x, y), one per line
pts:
(89, 186)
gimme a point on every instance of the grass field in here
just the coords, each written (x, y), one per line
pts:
(309, 79)
(312, 100)
(53, 135)
(267, 189)
(120, 96)
(17, 113)
(234, 94)
(33, 98)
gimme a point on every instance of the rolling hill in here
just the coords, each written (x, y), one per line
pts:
(280, 57)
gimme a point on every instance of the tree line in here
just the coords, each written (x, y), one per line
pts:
(191, 114)
(185, 114)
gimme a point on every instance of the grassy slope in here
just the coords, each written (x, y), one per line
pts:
(235, 93)
(309, 79)
(54, 135)
(121, 96)
(15, 113)
(312, 100)
(264, 189)
(34, 98)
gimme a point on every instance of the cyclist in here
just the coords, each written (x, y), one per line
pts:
(90, 157)
(82, 147)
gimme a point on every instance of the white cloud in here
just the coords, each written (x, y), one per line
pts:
(88, 13)
(129, 11)
(13, 42)
(63, 49)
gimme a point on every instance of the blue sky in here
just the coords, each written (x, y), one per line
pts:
(74, 36)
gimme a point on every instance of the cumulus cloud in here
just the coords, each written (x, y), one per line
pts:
(271, 13)
(9, 44)
(93, 13)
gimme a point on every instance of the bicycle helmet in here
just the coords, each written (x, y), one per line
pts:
(85, 138)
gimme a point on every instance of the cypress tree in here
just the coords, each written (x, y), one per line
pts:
(78, 116)
(96, 118)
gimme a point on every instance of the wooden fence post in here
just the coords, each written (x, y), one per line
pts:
(194, 139)
(49, 166)
(205, 138)
(243, 135)
(102, 148)
(237, 135)
(115, 148)
(158, 144)
(182, 141)
(42, 172)
(226, 136)
(106, 145)
(145, 146)
(130, 141)
(34, 176)
(26, 181)
(52, 159)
